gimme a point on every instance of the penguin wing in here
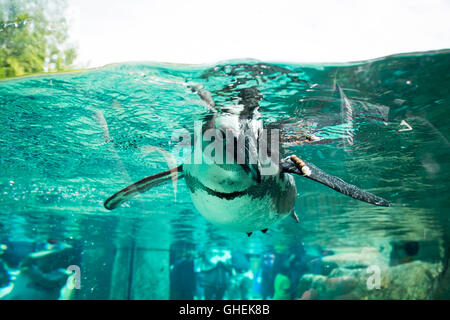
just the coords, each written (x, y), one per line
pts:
(142, 186)
(293, 164)
(205, 95)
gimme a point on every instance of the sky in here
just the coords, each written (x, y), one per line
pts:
(209, 31)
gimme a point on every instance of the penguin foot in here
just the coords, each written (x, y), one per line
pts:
(295, 216)
(303, 139)
(301, 165)
(264, 230)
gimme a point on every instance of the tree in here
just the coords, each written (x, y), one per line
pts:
(33, 37)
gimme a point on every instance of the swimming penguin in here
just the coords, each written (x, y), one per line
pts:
(42, 276)
(237, 195)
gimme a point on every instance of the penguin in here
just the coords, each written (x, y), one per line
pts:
(239, 194)
(43, 276)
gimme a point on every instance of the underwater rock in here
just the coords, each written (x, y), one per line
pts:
(340, 285)
(322, 267)
(320, 287)
(414, 280)
(405, 251)
(311, 286)
(442, 291)
(310, 294)
(353, 260)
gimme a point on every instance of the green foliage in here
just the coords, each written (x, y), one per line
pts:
(33, 37)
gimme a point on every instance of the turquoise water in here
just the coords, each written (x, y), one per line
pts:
(69, 141)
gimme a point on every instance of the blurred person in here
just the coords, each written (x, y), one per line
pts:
(183, 279)
(298, 266)
(215, 281)
(282, 283)
(43, 276)
(4, 274)
(241, 281)
(267, 275)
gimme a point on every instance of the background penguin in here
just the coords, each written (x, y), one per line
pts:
(42, 276)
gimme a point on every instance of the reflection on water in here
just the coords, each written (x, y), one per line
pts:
(69, 141)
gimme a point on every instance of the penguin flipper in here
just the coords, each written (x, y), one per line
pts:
(293, 164)
(142, 186)
(205, 95)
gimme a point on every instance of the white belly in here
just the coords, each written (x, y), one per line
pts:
(256, 207)
(240, 214)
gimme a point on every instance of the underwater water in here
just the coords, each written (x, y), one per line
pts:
(69, 141)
